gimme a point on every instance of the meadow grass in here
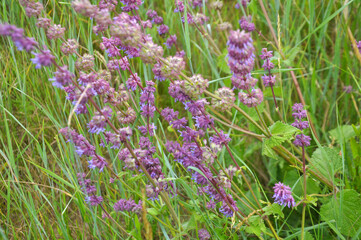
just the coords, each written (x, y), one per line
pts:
(39, 194)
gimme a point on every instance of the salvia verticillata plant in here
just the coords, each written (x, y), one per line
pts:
(167, 147)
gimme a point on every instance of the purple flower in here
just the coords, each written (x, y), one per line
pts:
(128, 205)
(179, 123)
(151, 13)
(82, 146)
(190, 135)
(94, 200)
(246, 24)
(220, 138)
(203, 121)
(203, 234)
(211, 205)
(175, 90)
(69, 47)
(244, 82)
(98, 122)
(172, 40)
(227, 210)
(358, 44)
(254, 98)
(300, 124)
(169, 114)
(225, 101)
(157, 20)
(179, 6)
(196, 108)
(163, 29)
(302, 140)
(347, 89)
(283, 195)
(197, 86)
(55, 31)
(62, 77)
(172, 67)
(84, 63)
(126, 29)
(97, 162)
(150, 52)
(43, 23)
(44, 58)
(33, 8)
(269, 81)
(133, 81)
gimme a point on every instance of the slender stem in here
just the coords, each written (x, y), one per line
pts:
(304, 194)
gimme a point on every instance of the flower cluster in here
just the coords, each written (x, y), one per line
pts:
(269, 80)
(128, 205)
(89, 190)
(17, 36)
(299, 113)
(241, 62)
(283, 195)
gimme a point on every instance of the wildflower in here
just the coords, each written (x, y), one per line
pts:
(94, 200)
(217, 5)
(98, 122)
(44, 58)
(224, 27)
(246, 24)
(33, 8)
(128, 205)
(211, 205)
(147, 24)
(348, 89)
(172, 40)
(82, 146)
(97, 162)
(197, 86)
(283, 195)
(227, 210)
(163, 29)
(157, 20)
(173, 67)
(131, 5)
(220, 139)
(127, 117)
(203, 234)
(226, 100)
(179, 6)
(176, 91)
(358, 44)
(169, 114)
(150, 52)
(69, 47)
(302, 140)
(252, 99)
(133, 81)
(62, 77)
(126, 29)
(55, 31)
(43, 23)
(84, 7)
(151, 13)
(86, 62)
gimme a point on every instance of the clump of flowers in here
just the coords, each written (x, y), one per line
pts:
(269, 79)
(299, 113)
(283, 195)
(225, 101)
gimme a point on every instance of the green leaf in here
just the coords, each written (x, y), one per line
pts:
(256, 225)
(280, 133)
(343, 133)
(274, 209)
(345, 210)
(327, 161)
(153, 211)
(222, 63)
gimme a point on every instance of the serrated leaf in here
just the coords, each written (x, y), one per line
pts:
(280, 133)
(274, 209)
(327, 161)
(282, 129)
(342, 133)
(256, 226)
(345, 210)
